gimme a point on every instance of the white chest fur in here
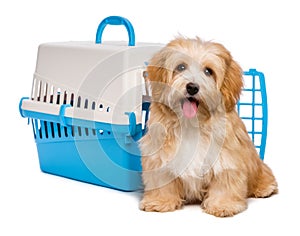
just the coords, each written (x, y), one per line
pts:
(190, 154)
(197, 154)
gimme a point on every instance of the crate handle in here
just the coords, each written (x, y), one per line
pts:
(116, 20)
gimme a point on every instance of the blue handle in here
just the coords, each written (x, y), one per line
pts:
(116, 20)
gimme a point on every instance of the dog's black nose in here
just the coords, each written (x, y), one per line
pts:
(192, 88)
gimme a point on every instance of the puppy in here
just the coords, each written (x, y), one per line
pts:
(197, 149)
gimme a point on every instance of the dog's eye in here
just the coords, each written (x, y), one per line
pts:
(181, 67)
(208, 71)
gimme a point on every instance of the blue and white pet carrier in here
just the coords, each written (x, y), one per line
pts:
(87, 112)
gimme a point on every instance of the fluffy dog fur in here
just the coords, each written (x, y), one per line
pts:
(197, 148)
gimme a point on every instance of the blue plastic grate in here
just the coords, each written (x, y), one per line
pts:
(253, 108)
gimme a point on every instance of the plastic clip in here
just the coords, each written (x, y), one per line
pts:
(20, 106)
(132, 123)
(62, 112)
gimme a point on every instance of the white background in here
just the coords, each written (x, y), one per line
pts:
(260, 34)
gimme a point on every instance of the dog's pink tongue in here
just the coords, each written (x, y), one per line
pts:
(189, 109)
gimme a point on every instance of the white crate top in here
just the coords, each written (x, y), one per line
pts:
(98, 77)
(70, 63)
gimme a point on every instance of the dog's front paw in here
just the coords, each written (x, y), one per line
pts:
(224, 209)
(160, 205)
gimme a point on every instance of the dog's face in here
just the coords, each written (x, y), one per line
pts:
(193, 77)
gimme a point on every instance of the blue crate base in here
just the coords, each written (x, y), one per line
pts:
(96, 157)
(63, 160)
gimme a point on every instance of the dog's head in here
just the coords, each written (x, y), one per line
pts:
(192, 76)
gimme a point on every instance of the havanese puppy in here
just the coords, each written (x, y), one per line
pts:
(197, 149)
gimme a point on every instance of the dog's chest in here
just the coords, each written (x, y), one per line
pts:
(190, 156)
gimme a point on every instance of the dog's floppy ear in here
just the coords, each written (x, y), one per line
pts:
(232, 84)
(157, 73)
(157, 69)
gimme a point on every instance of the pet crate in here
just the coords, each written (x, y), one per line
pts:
(87, 111)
